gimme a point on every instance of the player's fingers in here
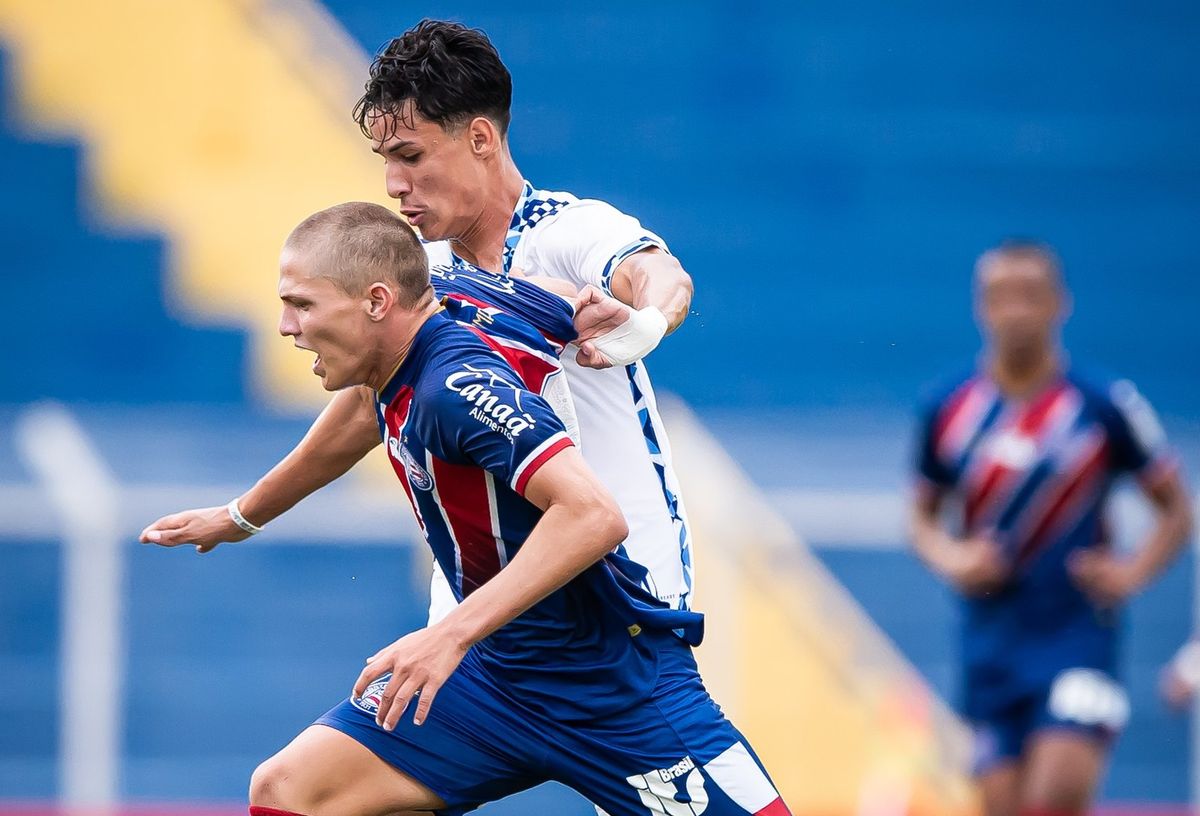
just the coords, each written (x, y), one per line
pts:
(588, 294)
(425, 701)
(396, 705)
(370, 673)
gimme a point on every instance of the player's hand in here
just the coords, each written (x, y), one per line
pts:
(1105, 578)
(204, 529)
(978, 566)
(1176, 692)
(596, 314)
(419, 663)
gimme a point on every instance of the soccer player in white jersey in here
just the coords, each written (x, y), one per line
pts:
(436, 109)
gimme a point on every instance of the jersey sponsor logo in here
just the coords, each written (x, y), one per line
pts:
(1014, 450)
(674, 791)
(495, 401)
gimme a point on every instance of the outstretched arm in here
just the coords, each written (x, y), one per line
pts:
(342, 435)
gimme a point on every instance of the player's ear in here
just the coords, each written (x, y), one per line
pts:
(380, 300)
(485, 138)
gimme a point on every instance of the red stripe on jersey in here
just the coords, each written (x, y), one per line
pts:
(1041, 408)
(541, 459)
(776, 808)
(463, 494)
(1069, 496)
(951, 409)
(532, 369)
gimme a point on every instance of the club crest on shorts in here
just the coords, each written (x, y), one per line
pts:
(370, 699)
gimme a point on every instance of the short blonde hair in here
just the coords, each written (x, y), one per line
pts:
(358, 243)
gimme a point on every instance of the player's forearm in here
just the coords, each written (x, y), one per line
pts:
(567, 540)
(931, 543)
(655, 278)
(342, 435)
(1169, 535)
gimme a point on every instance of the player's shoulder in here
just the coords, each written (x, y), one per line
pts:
(935, 395)
(554, 214)
(1103, 388)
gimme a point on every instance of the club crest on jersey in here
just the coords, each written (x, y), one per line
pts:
(370, 699)
(495, 401)
(417, 475)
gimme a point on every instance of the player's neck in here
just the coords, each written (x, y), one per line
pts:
(398, 344)
(1019, 375)
(482, 243)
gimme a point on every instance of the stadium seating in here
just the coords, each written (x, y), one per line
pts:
(826, 174)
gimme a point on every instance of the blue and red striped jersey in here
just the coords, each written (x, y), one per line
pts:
(465, 433)
(1035, 474)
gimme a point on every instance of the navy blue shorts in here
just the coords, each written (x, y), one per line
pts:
(674, 753)
(1086, 701)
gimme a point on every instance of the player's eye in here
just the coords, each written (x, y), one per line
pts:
(410, 158)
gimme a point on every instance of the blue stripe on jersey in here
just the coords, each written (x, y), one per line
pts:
(650, 436)
(632, 248)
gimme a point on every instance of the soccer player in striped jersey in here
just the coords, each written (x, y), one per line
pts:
(1029, 449)
(554, 664)
(436, 110)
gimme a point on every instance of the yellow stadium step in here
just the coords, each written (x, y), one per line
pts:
(220, 123)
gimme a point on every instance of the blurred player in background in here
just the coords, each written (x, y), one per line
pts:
(1029, 449)
(554, 664)
(436, 109)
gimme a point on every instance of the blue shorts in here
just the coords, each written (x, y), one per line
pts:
(674, 753)
(1087, 701)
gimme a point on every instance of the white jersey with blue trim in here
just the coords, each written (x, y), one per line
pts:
(583, 241)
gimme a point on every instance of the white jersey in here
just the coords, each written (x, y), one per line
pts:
(583, 241)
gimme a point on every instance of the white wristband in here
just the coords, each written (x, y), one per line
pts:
(635, 338)
(240, 520)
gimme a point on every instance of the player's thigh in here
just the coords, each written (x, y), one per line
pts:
(1000, 789)
(1062, 769)
(325, 771)
(674, 754)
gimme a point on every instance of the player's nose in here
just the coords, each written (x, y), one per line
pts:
(398, 183)
(288, 326)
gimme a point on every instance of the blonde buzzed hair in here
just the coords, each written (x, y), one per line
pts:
(358, 243)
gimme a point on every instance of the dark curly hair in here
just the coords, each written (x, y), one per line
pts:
(450, 72)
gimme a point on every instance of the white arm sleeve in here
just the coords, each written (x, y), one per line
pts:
(586, 242)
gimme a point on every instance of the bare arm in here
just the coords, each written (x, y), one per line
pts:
(1109, 578)
(655, 278)
(974, 566)
(342, 435)
(580, 525)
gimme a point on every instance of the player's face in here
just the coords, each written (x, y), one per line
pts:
(435, 174)
(322, 318)
(1019, 304)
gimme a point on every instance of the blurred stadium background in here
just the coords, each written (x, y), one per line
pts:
(826, 172)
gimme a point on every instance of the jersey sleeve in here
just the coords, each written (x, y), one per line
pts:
(484, 417)
(930, 469)
(586, 243)
(1136, 436)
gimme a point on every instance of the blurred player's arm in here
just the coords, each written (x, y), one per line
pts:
(580, 524)
(342, 435)
(1109, 578)
(973, 566)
